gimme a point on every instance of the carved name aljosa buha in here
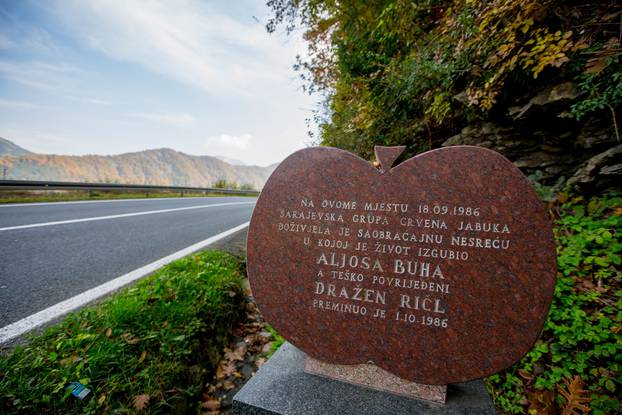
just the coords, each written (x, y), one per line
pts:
(399, 266)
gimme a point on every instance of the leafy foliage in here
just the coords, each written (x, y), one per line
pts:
(224, 184)
(576, 365)
(149, 348)
(412, 72)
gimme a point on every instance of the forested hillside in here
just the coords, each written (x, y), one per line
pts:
(157, 167)
(540, 82)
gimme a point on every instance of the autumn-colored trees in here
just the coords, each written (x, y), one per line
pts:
(417, 71)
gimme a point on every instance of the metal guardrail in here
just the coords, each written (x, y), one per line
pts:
(38, 185)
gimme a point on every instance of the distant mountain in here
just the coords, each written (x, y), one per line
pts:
(157, 167)
(7, 148)
(230, 160)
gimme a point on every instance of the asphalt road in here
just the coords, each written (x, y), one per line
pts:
(44, 264)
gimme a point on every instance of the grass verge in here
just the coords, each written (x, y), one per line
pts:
(150, 347)
(77, 195)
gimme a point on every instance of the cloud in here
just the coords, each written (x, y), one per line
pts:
(88, 100)
(7, 103)
(188, 41)
(40, 75)
(6, 43)
(233, 142)
(179, 120)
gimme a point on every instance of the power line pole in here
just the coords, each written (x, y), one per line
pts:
(4, 170)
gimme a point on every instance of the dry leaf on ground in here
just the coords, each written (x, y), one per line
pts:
(211, 405)
(576, 397)
(225, 369)
(141, 401)
(237, 354)
(129, 338)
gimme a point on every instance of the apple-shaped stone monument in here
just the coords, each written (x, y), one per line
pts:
(438, 270)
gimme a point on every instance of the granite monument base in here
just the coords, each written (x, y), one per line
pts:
(374, 377)
(282, 386)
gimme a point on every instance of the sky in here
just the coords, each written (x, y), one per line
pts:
(108, 77)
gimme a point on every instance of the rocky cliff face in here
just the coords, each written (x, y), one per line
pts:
(539, 137)
(157, 167)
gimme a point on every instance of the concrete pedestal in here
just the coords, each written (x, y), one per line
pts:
(282, 387)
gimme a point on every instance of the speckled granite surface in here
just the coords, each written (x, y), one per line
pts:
(438, 270)
(373, 377)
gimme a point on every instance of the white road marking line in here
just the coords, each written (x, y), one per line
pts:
(75, 202)
(123, 215)
(26, 324)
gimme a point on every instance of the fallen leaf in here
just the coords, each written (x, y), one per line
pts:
(259, 362)
(141, 401)
(211, 405)
(224, 370)
(541, 402)
(265, 334)
(525, 375)
(109, 332)
(237, 354)
(142, 357)
(129, 338)
(101, 399)
(267, 347)
(228, 385)
(576, 397)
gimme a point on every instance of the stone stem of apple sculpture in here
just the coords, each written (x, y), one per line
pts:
(387, 155)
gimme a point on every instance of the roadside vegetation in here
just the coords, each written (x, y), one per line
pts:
(149, 348)
(224, 184)
(79, 195)
(397, 72)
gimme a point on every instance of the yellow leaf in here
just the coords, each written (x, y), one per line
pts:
(142, 357)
